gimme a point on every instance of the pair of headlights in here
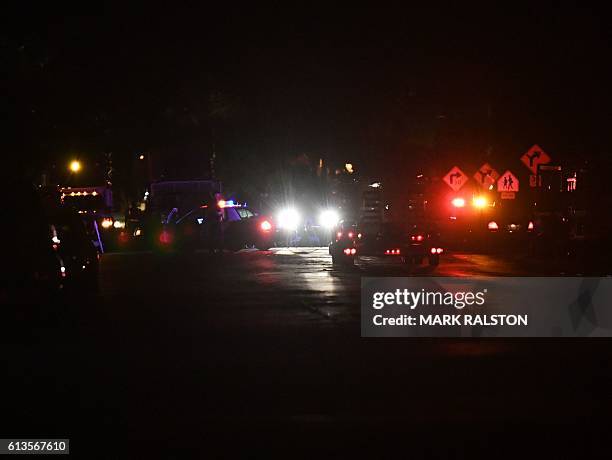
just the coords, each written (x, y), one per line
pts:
(290, 219)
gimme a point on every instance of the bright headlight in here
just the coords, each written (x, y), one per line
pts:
(479, 202)
(329, 218)
(288, 219)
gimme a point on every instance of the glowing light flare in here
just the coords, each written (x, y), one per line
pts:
(530, 226)
(479, 202)
(288, 219)
(329, 218)
(458, 202)
(75, 166)
(266, 226)
(107, 223)
(493, 225)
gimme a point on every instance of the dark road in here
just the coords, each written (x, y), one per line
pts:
(261, 347)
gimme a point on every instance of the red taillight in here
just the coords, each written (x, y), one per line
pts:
(392, 252)
(350, 251)
(493, 226)
(266, 226)
(165, 237)
(530, 227)
(417, 237)
(123, 237)
(339, 235)
(351, 235)
(436, 250)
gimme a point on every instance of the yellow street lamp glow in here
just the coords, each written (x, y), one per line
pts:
(75, 166)
(479, 202)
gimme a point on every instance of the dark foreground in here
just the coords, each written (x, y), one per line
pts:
(206, 356)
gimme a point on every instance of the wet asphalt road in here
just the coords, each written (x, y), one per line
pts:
(263, 349)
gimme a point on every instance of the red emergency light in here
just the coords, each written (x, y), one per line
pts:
(266, 226)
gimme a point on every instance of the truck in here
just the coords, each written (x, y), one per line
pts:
(393, 229)
(95, 206)
(572, 220)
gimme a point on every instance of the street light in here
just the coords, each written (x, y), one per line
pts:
(75, 166)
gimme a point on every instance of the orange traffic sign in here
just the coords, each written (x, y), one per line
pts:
(486, 175)
(535, 156)
(455, 178)
(508, 182)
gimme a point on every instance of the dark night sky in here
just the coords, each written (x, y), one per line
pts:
(271, 84)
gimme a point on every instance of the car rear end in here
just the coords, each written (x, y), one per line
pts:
(343, 248)
(395, 242)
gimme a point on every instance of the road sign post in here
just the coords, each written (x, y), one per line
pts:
(455, 178)
(486, 176)
(533, 157)
(508, 182)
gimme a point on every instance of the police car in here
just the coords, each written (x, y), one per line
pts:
(224, 225)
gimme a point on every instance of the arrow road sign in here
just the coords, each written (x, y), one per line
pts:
(508, 183)
(455, 178)
(486, 175)
(534, 157)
